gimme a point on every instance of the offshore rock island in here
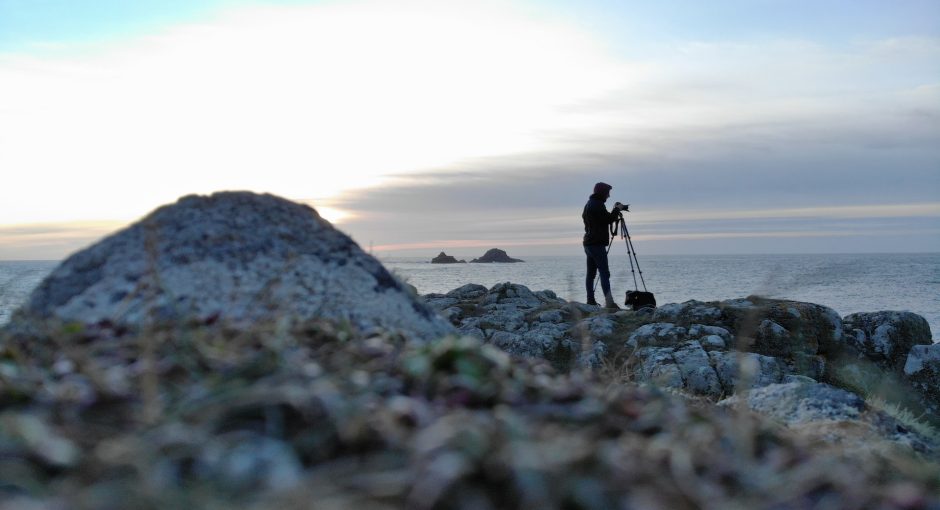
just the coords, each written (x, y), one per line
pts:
(237, 347)
(495, 255)
(444, 258)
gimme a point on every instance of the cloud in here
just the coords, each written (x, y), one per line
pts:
(410, 124)
(51, 240)
(316, 98)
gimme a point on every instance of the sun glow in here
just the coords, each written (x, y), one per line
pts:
(296, 100)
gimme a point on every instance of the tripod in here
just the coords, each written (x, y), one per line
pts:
(621, 225)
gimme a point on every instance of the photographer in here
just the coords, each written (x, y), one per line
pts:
(596, 238)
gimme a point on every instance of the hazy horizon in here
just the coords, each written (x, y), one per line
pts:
(732, 127)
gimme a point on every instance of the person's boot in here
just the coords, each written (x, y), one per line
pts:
(592, 301)
(609, 302)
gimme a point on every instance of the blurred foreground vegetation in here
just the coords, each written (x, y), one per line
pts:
(313, 416)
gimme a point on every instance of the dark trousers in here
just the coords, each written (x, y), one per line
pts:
(596, 261)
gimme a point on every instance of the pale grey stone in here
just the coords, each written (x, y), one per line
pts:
(597, 327)
(697, 331)
(511, 293)
(713, 342)
(658, 334)
(887, 337)
(238, 257)
(549, 297)
(551, 316)
(736, 368)
(799, 402)
(505, 319)
(922, 357)
(593, 358)
(659, 367)
(922, 370)
(697, 373)
(687, 313)
(468, 292)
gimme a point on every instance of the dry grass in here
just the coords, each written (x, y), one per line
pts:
(312, 415)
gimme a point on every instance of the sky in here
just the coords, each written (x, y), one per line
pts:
(730, 126)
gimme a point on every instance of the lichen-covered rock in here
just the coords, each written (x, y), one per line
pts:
(689, 312)
(594, 357)
(773, 339)
(658, 366)
(794, 403)
(697, 331)
(887, 337)
(235, 257)
(810, 328)
(711, 337)
(504, 319)
(698, 376)
(596, 327)
(922, 370)
(745, 370)
(511, 294)
(549, 297)
(657, 334)
(468, 292)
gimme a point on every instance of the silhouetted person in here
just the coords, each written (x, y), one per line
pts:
(596, 238)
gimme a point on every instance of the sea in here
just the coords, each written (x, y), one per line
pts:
(847, 283)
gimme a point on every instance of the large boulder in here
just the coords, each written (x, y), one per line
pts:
(233, 257)
(794, 331)
(886, 337)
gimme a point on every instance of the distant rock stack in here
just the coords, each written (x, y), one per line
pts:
(444, 258)
(495, 255)
(235, 257)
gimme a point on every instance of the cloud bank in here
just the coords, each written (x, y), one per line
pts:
(455, 124)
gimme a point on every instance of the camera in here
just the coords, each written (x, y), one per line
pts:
(622, 207)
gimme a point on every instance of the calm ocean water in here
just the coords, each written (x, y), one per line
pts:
(846, 283)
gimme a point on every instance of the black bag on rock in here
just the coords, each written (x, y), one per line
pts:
(638, 299)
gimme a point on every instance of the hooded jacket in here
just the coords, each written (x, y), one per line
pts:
(596, 220)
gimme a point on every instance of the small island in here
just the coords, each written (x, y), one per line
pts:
(444, 258)
(496, 255)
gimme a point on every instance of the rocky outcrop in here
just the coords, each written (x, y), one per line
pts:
(495, 255)
(714, 350)
(444, 258)
(235, 257)
(886, 338)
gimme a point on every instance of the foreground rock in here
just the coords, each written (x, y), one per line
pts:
(238, 258)
(495, 255)
(444, 258)
(311, 417)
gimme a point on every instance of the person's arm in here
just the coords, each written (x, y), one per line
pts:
(598, 214)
